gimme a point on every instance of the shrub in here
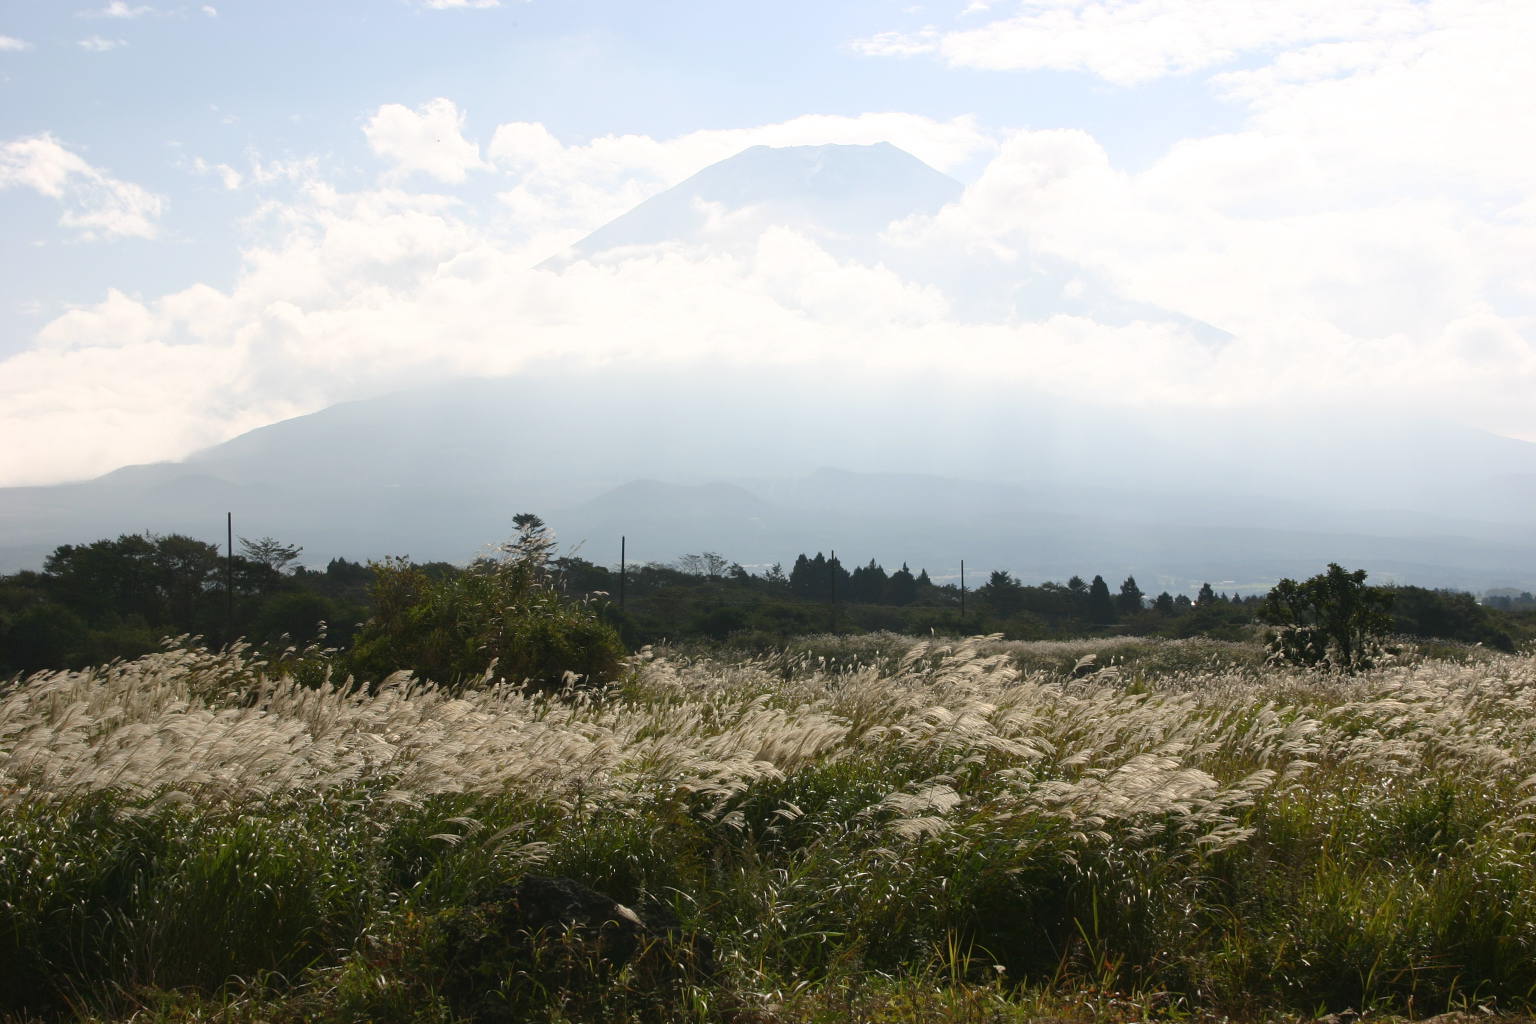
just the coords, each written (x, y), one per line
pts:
(500, 616)
(1332, 620)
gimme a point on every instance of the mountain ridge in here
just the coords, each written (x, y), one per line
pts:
(1014, 476)
(757, 484)
(842, 195)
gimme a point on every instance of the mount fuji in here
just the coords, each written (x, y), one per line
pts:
(761, 463)
(843, 197)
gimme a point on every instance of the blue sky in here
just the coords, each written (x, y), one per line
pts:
(262, 207)
(292, 80)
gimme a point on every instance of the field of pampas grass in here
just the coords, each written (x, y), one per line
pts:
(878, 828)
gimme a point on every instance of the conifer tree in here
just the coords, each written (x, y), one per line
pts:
(1129, 602)
(867, 585)
(1101, 607)
(800, 582)
(901, 588)
(1003, 593)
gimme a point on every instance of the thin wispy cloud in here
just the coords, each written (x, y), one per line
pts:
(100, 44)
(1132, 41)
(13, 45)
(118, 9)
(899, 44)
(231, 178)
(95, 204)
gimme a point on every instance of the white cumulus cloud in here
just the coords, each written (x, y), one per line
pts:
(95, 203)
(1365, 235)
(360, 293)
(429, 140)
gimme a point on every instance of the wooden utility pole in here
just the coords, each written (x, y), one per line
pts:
(962, 590)
(229, 579)
(832, 606)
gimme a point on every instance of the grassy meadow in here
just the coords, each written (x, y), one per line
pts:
(868, 828)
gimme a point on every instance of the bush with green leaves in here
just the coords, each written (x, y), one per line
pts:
(502, 619)
(1332, 620)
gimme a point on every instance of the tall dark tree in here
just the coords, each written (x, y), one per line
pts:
(1207, 596)
(1101, 607)
(104, 578)
(1002, 593)
(186, 570)
(867, 584)
(35, 632)
(1332, 620)
(163, 581)
(532, 545)
(838, 578)
(1130, 599)
(801, 583)
(901, 588)
(813, 578)
(817, 585)
(1077, 596)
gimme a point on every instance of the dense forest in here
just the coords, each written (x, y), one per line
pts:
(120, 598)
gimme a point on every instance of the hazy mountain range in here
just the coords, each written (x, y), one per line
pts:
(761, 465)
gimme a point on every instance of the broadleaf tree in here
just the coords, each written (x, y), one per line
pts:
(1333, 620)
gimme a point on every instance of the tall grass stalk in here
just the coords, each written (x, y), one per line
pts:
(1219, 834)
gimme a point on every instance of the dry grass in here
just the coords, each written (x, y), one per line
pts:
(1194, 831)
(190, 725)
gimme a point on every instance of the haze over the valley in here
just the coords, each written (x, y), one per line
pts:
(1212, 290)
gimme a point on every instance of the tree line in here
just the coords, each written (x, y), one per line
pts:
(118, 598)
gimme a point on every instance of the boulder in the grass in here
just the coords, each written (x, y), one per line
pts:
(541, 938)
